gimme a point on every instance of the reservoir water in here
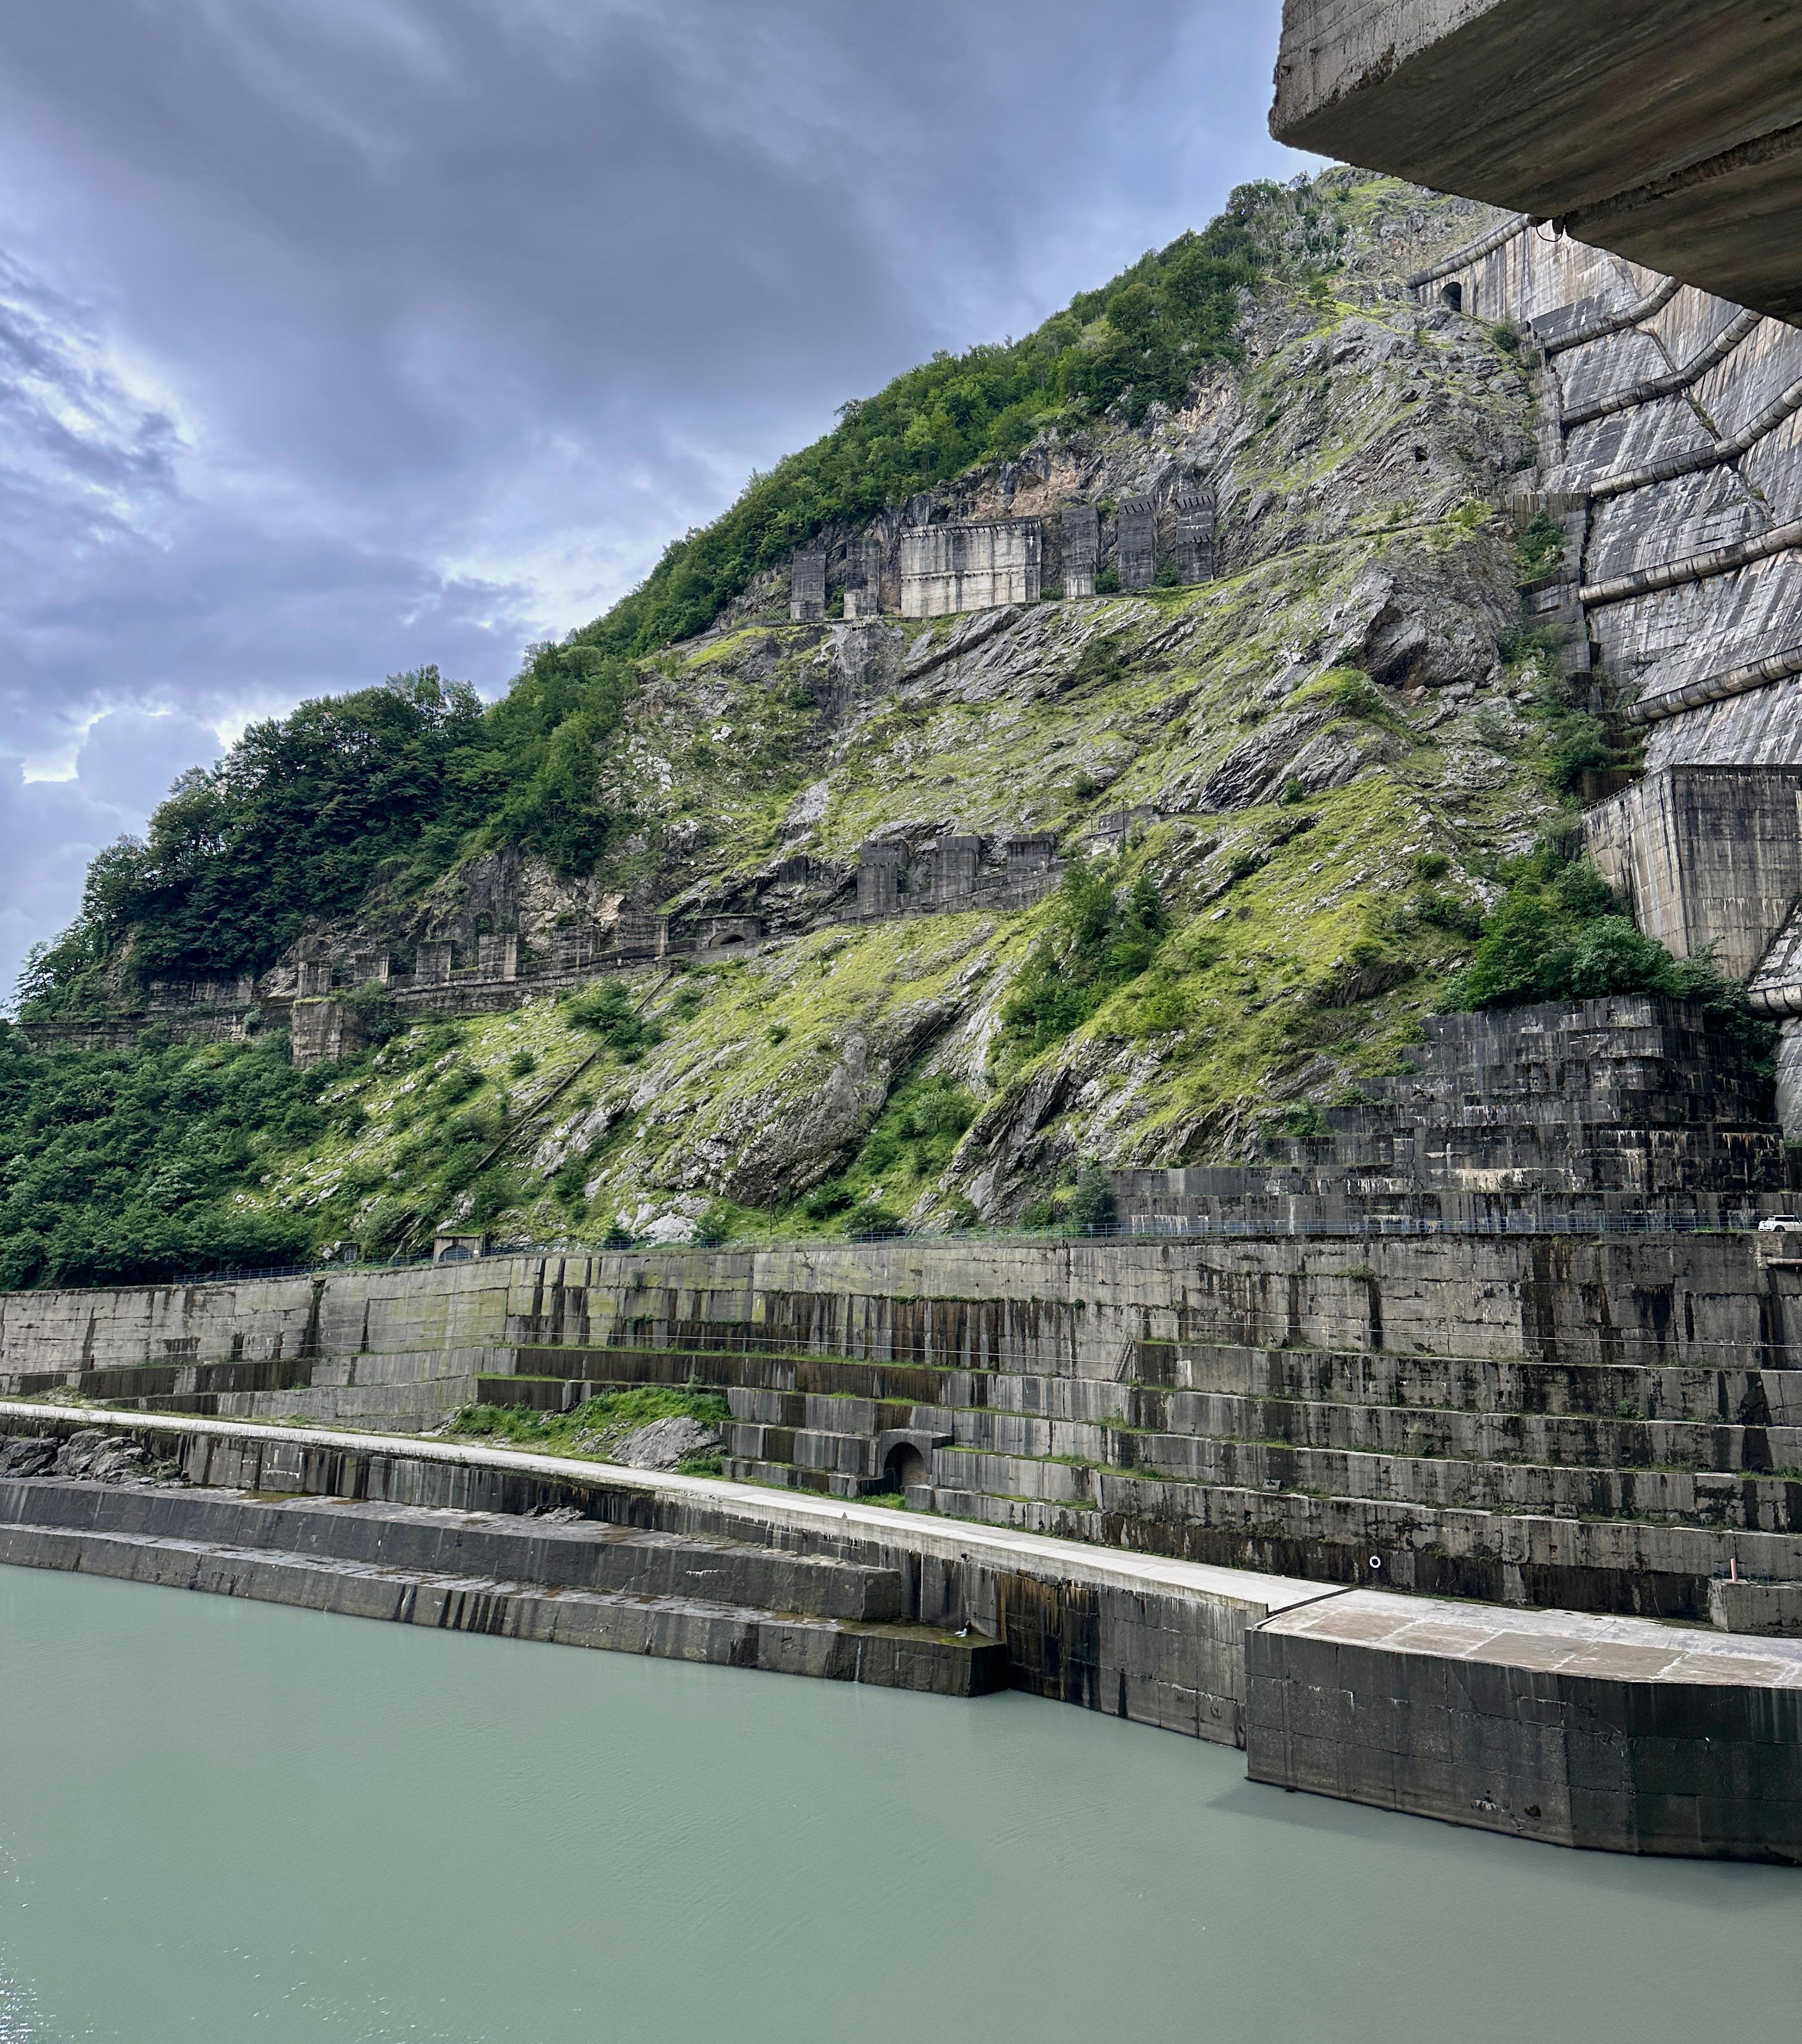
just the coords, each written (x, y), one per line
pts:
(224, 1822)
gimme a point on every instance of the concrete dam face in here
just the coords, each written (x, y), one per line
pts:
(1119, 1473)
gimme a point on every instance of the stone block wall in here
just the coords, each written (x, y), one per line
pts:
(880, 867)
(896, 878)
(807, 588)
(1706, 857)
(1081, 531)
(1610, 1111)
(321, 1030)
(946, 569)
(1136, 543)
(1195, 527)
(863, 577)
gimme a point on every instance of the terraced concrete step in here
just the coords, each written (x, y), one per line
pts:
(818, 1431)
(1572, 1440)
(1736, 1391)
(1626, 1565)
(530, 1394)
(1480, 1440)
(780, 1475)
(671, 1628)
(834, 1376)
(584, 1553)
(1765, 1504)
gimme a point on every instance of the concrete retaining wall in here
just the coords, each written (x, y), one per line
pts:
(1612, 1733)
(1596, 1732)
(1065, 1309)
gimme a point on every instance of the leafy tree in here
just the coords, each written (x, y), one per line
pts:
(1140, 340)
(121, 1167)
(306, 810)
(1092, 1206)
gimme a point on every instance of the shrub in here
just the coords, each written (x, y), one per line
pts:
(1100, 937)
(606, 1011)
(1092, 1206)
(1302, 1120)
(1559, 934)
(377, 1012)
(1541, 545)
(921, 1126)
(832, 1198)
(123, 1168)
(1442, 911)
(868, 1221)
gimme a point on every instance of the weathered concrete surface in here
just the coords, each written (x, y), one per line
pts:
(610, 1560)
(1581, 1731)
(1705, 857)
(1615, 1733)
(945, 569)
(1603, 1425)
(1157, 1640)
(1637, 385)
(1668, 130)
(671, 1628)
(1761, 1609)
(1062, 1306)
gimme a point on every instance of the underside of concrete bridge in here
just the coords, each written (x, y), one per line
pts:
(1669, 131)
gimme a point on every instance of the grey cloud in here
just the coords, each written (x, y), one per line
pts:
(336, 336)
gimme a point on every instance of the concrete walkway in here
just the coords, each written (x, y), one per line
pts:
(947, 1539)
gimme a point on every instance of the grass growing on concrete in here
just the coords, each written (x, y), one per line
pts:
(596, 1427)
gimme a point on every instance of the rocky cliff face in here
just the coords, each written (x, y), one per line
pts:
(1315, 760)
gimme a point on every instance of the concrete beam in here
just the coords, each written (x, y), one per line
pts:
(1669, 131)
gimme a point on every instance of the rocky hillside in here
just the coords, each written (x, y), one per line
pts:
(1280, 798)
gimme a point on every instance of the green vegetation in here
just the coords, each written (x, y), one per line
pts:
(1542, 546)
(1087, 1204)
(596, 1426)
(1137, 341)
(1559, 934)
(119, 1167)
(1101, 936)
(607, 1011)
(388, 786)
(918, 1129)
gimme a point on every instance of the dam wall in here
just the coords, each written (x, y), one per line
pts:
(1615, 1733)
(1611, 1424)
(1060, 1308)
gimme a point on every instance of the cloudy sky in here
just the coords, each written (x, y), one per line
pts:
(341, 336)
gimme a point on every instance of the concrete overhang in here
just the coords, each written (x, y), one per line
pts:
(1669, 131)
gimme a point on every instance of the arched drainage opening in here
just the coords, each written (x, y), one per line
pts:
(905, 1465)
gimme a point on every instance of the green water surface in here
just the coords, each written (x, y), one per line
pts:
(230, 1821)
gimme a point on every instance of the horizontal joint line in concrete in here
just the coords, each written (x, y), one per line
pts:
(997, 1546)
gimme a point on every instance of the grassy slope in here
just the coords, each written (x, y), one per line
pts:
(1299, 958)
